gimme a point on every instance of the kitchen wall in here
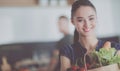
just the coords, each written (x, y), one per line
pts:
(105, 26)
(31, 23)
(116, 15)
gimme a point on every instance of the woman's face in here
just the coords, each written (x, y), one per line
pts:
(84, 20)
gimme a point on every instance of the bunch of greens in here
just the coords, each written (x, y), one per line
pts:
(106, 57)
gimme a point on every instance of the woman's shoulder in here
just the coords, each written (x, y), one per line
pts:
(67, 51)
(115, 45)
(66, 47)
(70, 47)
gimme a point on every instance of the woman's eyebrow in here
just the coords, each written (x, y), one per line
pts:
(90, 15)
(79, 17)
(82, 17)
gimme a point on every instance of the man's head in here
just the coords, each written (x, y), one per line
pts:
(63, 24)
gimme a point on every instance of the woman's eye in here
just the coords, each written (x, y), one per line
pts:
(91, 18)
(79, 20)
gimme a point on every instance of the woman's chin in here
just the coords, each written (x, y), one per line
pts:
(88, 34)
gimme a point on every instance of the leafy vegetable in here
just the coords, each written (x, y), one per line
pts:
(107, 57)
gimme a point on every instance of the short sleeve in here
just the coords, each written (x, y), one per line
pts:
(116, 45)
(66, 51)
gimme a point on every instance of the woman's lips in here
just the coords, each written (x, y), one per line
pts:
(86, 29)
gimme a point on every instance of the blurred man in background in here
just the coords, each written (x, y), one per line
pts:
(63, 26)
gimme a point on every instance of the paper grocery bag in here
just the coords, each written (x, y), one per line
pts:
(112, 67)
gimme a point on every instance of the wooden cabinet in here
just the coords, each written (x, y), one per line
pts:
(18, 2)
(35, 2)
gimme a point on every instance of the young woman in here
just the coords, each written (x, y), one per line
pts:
(84, 18)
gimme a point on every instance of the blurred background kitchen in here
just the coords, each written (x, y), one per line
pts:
(29, 30)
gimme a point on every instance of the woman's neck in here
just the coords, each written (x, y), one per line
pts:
(89, 43)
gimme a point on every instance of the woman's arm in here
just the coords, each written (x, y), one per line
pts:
(53, 60)
(65, 63)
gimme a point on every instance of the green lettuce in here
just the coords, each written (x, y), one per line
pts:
(107, 57)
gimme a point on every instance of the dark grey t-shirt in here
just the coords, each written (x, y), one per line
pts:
(66, 40)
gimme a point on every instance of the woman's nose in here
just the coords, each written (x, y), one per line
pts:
(86, 23)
